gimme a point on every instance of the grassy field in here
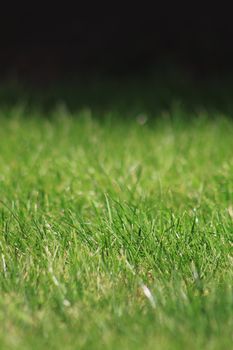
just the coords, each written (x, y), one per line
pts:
(115, 232)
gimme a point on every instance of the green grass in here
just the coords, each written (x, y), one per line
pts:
(114, 234)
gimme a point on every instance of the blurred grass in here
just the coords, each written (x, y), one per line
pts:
(116, 227)
(150, 94)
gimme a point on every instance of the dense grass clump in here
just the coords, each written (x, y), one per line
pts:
(115, 232)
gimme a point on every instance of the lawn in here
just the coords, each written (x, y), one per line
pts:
(116, 231)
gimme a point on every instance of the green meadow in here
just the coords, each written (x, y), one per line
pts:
(116, 230)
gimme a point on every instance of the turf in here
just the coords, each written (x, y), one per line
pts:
(115, 232)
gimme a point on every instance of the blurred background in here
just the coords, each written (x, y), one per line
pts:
(46, 45)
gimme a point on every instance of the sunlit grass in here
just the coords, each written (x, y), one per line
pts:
(115, 232)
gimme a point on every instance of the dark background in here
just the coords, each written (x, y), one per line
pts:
(44, 44)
